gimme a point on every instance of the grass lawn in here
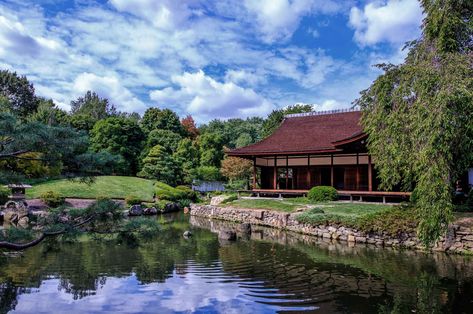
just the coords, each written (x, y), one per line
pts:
(291, 204)
(104, 186)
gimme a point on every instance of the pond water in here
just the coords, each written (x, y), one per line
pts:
(271, 271)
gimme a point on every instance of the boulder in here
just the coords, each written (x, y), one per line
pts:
(217, 200)
(171, 207)
(186, 210)
(227, 235)
(23, 222)
(150, 211)
(135, 210)
(10, 216)
(187, 234)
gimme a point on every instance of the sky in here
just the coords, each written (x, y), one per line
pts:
(211, 59)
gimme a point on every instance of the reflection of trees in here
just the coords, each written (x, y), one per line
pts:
(82, 267)
(306, 269)
(8, 296)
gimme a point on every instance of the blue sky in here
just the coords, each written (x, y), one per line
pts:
(211, 59)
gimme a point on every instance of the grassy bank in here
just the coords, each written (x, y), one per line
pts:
(104, 186)
(292, 204)
(369, 217)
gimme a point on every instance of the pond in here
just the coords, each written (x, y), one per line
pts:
(270, 271)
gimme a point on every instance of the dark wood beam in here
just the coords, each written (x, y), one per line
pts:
(275, 173)
(254, 172)
(332, 175)
(370, 174)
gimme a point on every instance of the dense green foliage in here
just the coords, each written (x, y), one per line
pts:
(121, 137)
(133, 200)
(159, 165)
(19, 94)
(166, 192)
(165, 119)
(322, 194)
(419, 114)
(52, 199)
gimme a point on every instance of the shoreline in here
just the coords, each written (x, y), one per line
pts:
(458, 239)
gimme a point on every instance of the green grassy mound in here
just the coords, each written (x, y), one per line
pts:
(104, 186)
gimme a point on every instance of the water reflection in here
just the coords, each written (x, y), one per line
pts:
(273, 271)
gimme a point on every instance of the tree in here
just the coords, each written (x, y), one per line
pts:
(165, 138)
(19, 92)
(94, 106)
(211, 149)
(207, 173)
(187, 159)
(189, 126)
(53, 147)
(166, 119)
(119, 136)
(235, 168)
(273, 121)
(48, 113)
(418, 115)
(243, 140)
(159, 165)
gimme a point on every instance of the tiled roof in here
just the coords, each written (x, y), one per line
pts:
(306, 134)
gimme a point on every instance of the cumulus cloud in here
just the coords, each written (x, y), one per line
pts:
(206, 98)
(14, 39)
(108, 87)
(394, 21)
(278, 19)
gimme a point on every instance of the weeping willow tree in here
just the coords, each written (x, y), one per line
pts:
(419, 115)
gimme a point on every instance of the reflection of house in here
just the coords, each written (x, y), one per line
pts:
(310, 149)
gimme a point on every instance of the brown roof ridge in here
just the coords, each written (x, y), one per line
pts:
(316, 131)
(321, 112)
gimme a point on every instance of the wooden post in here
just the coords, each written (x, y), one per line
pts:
(357, 172)
(275, 172)
(254, 172)
(332, 175)
(370, 174)
(287, 172)
(308, 172)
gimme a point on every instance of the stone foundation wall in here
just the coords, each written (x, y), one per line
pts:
(459, 238)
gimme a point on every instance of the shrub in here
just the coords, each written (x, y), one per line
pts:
(322, 194)
(190, 194)
(52, 199)
(161, 204)
(166, 192)
(4, 194)
(131, 200)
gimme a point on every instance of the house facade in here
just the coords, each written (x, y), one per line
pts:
(311, 149)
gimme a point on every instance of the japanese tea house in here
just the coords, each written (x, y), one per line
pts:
(311, 149)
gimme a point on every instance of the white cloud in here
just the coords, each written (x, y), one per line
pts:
(206, 98)
(244, 77)
(278, 19)
(394, 21)
(165, 14)
(15, 39)
(108, 87)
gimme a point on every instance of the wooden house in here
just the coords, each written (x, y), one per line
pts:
(311, 149)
